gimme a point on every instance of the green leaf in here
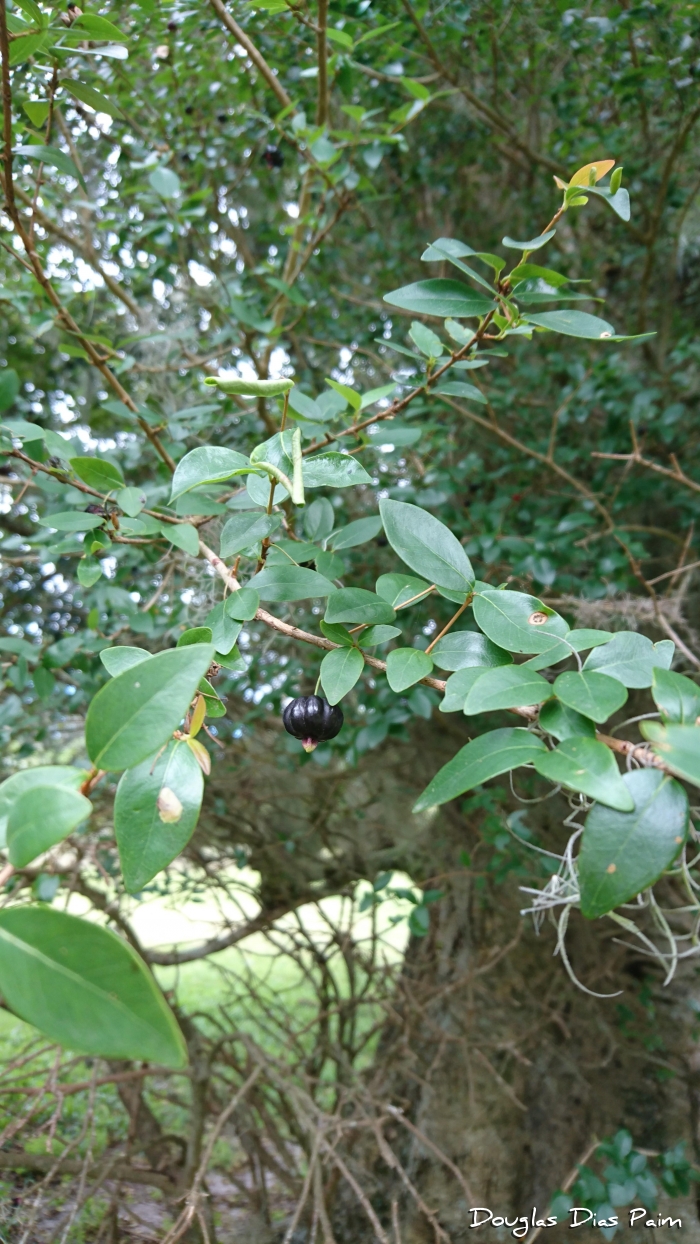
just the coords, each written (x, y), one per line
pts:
(427, 545)
(99, 28)
(375, 395)
(339, 634)
(151, 833)
(330, 565)
(619, 202)
(624, 853)
(97, 473)
(441, 297)
(290, 583)
(139, 709)
(44, 682)
(224, 631)
(677, 746)
(426, 340)
(130, 500)
(593, 695)
(27, 779)
(406, 666)
(72, 520)
(575, 641)
(251, 388)
(40, 818)
(245, 529)
(165, 182)
(243, 604)
(457, 688)
(195, 635)
(356, 605)
(509, 686)
(631, 658)
(84, 987)
(491, 754)
(12, 643)
(518, 622)
(125, 657)
(9, 387)
(88, 571)
(573, 324)
(340, 670)
(528, 271)
(359, 532)
(209, 464)
(585, 765)
(88, 95)
(533, 245)
(349, 396)
(183, 535)
(563, 722)
(458, 388)
(334, 470)
(305, 406)
(319, 519)
(398, 589)
(376, 635)
(676, 697)
(53, 157)
(459, 649)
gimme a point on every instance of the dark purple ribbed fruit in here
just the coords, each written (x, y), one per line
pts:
(312, 719)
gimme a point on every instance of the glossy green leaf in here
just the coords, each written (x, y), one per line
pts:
(622, 853)
(349, 396)
(398, 589)
(97, 473)
(72, 520)
(594, 695)
(94, 99)
(573, 324)
(130, 500)
(139, 709)
(485, 757)
(459, 388)
(149, 827)
(631, 658)
(27, 779)
(340, 670)
(245, 529)
(116, 660)
(406, 666)
(426, 340)
(183, 535)
(676, 697)
(339, 634)
(333, 470)
(534, 243)
(459, 649)
(243, 604)
(52, 157)
(518, 622)
(84, 987)
(426, 545)
(319, 519)
(40, 818)
(457, 688)
(330, 565)
(377, 635)
(508, 686)
(355, 605)
(88, 571)
(584, 764)
(99, 28)
(574, 641)
(290, 583)
(563, 722)
(441, 297)
(196, 635)
(359, 532)
(677, 746)
(209, 464)
(224, 631)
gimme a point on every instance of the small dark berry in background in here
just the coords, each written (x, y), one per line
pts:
(312, 719)
(273, 157)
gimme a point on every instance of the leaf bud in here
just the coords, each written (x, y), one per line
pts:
(616, 180)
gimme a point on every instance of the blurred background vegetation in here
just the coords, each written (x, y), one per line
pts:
(377, 1040)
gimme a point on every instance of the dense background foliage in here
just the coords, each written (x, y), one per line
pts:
(237, 214)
